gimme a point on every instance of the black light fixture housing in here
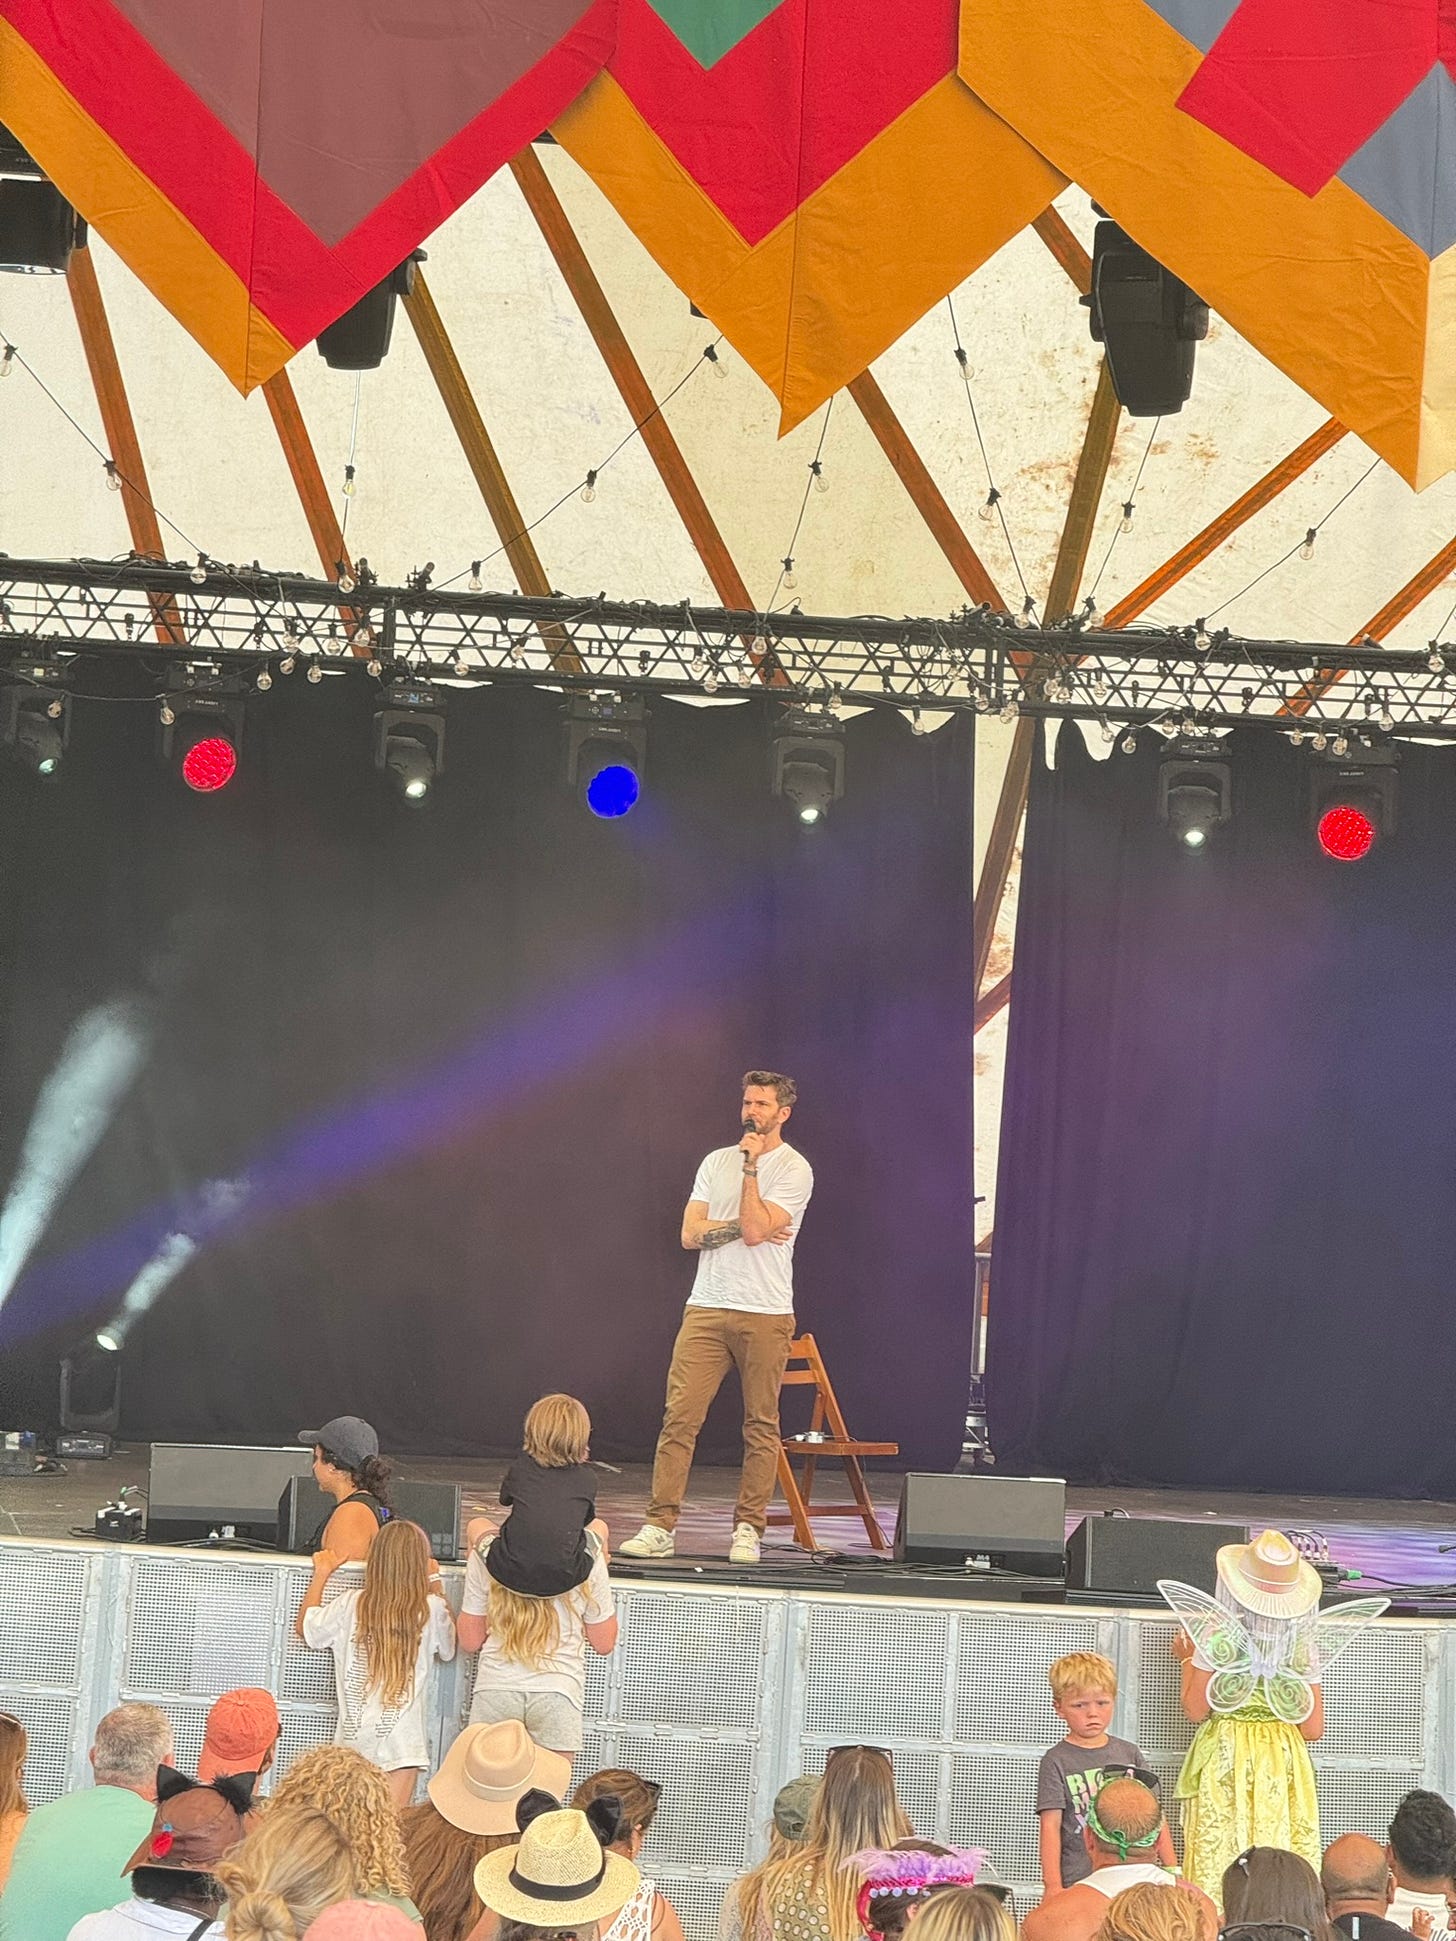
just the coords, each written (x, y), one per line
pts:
(807, 761)
(360, 339)
(1363, 778)
(604, 730)
(201, 702)
(409, 737)
(35, 723)
(1195, 789)
(1147, 320)
(90, 1397)
(38, 227)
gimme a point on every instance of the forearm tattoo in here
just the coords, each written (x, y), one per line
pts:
(720, 1233)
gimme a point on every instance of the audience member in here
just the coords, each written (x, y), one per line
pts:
(173, 1887)
(553, 1535)
(1271, 1884)
(793, 1804)
(977, 1914)
(558, 1880)
(894, 1883)
(1422, 1855)
(348, 1467)
(354, 1795)
(532, 1664)
(13, 1804)
(632, 1802)
(70, 1854)
(241, 1735)
(470, 1812)
(385, 1636)
(364, 1921)
(809, 1894)
(1358, 1884)
(288, 1870)
(1150, 1913)
(1084, 1692)
(1123, 1831)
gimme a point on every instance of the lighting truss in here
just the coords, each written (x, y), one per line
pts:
(1180, 680)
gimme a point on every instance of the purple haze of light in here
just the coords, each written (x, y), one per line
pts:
(421, 1109)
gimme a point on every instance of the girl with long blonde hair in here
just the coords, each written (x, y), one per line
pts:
(385, 1637)
(812, 1892)
(283, 1876)
(536, 1586)
(14, 1807)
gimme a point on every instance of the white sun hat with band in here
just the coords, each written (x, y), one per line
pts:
(1269, 1577)
(487, 1770)
(559, 1876)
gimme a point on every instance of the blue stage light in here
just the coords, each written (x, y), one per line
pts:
(613, 790)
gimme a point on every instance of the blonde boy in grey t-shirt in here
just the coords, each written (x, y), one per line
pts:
(1084, 1693)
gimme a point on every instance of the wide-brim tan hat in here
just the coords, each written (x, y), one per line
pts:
(1269, 1577)
(559, 1876)
(487, 1770)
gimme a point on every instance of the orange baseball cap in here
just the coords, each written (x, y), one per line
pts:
(242, 1727)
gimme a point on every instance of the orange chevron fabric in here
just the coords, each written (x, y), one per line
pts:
(811, 261)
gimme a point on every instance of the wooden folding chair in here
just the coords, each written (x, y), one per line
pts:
(837, 1444)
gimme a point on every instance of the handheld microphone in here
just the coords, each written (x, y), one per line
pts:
(1442, 1548)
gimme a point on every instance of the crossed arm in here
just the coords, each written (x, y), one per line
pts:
(759, 1220)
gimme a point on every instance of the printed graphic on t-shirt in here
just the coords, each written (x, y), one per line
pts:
(1082, 1789)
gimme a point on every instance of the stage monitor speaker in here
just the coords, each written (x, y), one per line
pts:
(303, 1509)
(196, 1488)
(1130, 1553)
(1015, 1522)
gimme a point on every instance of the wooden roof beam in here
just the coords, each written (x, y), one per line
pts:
(313, 496)
(119, 427)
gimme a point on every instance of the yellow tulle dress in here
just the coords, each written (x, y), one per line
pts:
(1247, 1782)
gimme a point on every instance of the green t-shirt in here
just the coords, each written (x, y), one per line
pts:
(68, 1862)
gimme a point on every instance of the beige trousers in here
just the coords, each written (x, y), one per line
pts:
(710, 1341)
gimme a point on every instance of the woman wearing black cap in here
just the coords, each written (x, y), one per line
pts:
(347, 1466)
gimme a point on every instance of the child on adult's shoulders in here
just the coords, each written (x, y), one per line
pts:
(1084, 1696)
(543, 1549)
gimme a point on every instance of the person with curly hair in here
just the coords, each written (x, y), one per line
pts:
(354, 1795)
(283, 1876)
(1150, 1913)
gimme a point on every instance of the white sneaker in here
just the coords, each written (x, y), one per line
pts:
(744, 1548)
(650, 1541)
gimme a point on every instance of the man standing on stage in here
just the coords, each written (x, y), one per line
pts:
(742, 1221)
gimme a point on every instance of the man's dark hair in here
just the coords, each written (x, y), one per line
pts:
(1423, 1836)
(784, 1089)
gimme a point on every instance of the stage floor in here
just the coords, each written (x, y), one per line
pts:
(1387, 1542)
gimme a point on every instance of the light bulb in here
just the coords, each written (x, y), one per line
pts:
(7, 361)
(1386, 719)
(1201, 641)
(285, 666)
(789, 581)
(348, 481)
(711, 354)
(1296, 737)
(474, 582)
(265, 680)
(315, 672)
(821, 484)
(1306, 551)
(696, 666)
(347, 582)
(988, 510)
(1109, 733)
(1436, 660)
(1339, 746)
(1008, 709)
(517, 651)
(1099, 686)
(743, 673)
(710, 680)
(165, 715)
(1027, 614)
(373, 669)
(917, 724)
(1317, 742)
(198, 573)
(589, 489)
(361, 637)
(1129, 744)
(113, 477)
(1127, 512)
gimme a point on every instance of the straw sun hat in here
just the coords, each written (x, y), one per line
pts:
(1269, 1577)
(559, 1876)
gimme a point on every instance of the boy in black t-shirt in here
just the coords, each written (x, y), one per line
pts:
(1084, 1691)
(541, 1549)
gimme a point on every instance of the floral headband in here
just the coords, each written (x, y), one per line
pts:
(910, 1874)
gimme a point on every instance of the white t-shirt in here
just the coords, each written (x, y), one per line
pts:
(1113, 1881)
(565, 1670)
(760, 1279)
(390, 1735)
(139, 1921)
(1405, 1901)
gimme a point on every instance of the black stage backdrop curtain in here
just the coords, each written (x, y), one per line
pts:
(423, 1091)
(1225, 1248)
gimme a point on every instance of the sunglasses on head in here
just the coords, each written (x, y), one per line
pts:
(1140, 1773)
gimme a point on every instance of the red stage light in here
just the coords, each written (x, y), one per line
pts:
(1346, 833)
(209, 764)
